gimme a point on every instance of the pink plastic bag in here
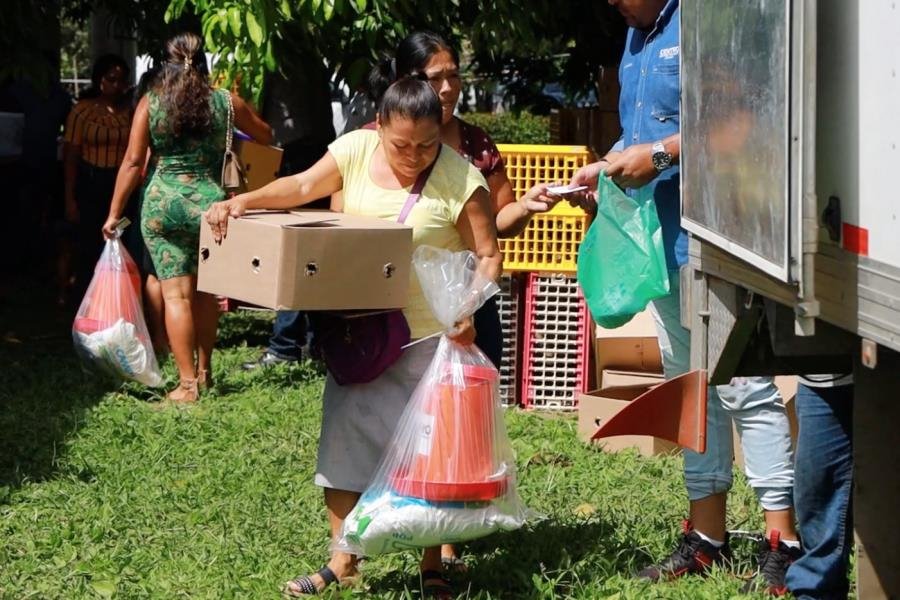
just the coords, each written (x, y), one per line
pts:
(109, 329)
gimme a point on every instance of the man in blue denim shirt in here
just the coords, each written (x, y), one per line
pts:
(648, 154)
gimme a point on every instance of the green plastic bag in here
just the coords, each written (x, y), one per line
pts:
(621, 262)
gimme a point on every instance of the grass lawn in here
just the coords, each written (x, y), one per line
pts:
(103, 496)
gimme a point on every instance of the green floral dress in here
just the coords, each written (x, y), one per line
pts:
(183, 181)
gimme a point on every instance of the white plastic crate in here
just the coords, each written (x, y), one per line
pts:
(556, 343)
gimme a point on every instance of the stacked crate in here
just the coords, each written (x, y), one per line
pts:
(548, 345)
(508, 301)
(556, 343)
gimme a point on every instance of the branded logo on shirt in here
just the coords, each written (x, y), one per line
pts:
(668, 53)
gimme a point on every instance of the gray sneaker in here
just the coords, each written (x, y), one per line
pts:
(267, 359)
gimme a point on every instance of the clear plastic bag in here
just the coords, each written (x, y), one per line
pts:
(448, 474)
(109, 329)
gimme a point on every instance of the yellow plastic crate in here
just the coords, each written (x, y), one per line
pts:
(550, 242)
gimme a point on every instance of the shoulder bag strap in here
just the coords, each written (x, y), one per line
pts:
(417, 188)
(229, 128)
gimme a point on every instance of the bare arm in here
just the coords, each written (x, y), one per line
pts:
(129, 176)
(476, 225)
(320, 180)
(249, 122)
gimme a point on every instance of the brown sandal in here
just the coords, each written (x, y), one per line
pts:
(188, 390)
(204, 380)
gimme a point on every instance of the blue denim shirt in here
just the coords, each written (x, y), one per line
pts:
(648, 110)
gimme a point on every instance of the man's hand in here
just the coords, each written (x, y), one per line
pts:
(633, 168)
(587, 175)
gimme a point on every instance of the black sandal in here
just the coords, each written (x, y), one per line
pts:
(454, 565)
(306, 585)
(438, 587)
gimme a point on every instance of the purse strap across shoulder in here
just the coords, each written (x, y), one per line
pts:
(416, 190)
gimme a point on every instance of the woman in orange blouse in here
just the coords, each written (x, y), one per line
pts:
(96, 136)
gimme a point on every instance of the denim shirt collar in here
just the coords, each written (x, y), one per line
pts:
(665, 15)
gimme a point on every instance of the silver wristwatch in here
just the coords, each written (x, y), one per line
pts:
(662, 160)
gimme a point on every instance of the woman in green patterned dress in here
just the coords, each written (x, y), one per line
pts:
(182, 121)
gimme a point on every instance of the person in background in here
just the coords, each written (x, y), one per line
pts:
(430, 57)
(291, 107)
(39, 208)
(182, 120)
(96, 135)
(648, 154)
(823, 487)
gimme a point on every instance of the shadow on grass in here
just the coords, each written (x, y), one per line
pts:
(249, 327)
(44, 393)
(505, 564)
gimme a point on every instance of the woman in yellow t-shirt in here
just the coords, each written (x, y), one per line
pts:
(375, 171)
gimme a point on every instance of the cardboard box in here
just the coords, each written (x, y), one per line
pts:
(594, 408)
(614, 378)
(261, 163)
(632, 347)
(787, 385)
(309, 260)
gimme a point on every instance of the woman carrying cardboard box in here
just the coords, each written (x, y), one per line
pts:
(379, 173)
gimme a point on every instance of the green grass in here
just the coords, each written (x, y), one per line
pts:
(101, 495)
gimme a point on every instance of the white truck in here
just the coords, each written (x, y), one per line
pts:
(790, 128)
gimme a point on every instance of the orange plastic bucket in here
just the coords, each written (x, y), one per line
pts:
(454, 459)
(112, 297)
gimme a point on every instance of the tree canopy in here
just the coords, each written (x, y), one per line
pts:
(522, 45)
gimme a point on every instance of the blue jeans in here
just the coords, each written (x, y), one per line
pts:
(822, 492)
(754, 404)
(288, 334)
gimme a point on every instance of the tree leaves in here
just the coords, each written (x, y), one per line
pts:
(254, 29)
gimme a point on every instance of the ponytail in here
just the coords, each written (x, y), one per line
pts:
(183, 86)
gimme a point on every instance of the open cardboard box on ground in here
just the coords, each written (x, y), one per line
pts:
(631, 347)
(596, 407)
(308, 260)
(615, 378)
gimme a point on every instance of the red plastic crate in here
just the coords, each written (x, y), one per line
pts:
(509, 303)
(556, 352)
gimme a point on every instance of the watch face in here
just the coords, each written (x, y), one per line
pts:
(662, 160)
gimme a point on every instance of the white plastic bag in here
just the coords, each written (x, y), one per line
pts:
(109, 329)
(448, 474)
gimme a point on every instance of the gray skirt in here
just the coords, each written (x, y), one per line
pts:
(358, 421)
